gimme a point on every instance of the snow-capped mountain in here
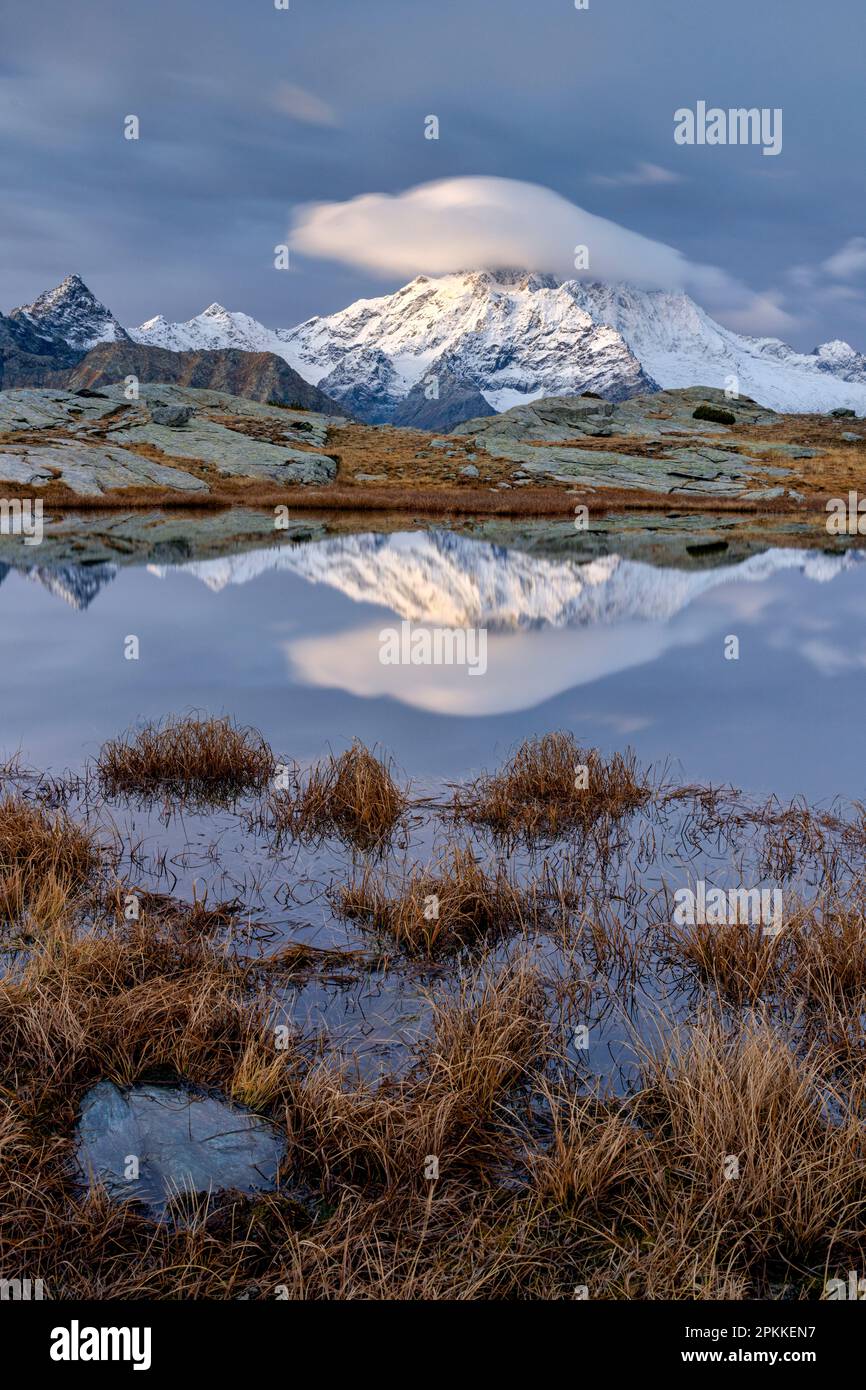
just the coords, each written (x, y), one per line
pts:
(494, 339)
(214, 327)
(678, 344)
(448, 580)
(71, 314)
(512, 335)
(842, 360)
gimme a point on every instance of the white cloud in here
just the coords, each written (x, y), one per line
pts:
(849, 260)
(480, 222)
(642, 176)
(302, 105)
(764, 314)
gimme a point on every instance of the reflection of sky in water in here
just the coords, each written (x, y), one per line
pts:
(636, 656)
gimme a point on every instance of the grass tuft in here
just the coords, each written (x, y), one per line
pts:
(46, 858)
(205, 758)
(354, 796)
(455, 902)
(551, 786)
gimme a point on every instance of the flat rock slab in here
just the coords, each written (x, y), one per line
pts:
(95, 437)
(539, 437)
(232, 453)
(184, 1140)
(89, 471)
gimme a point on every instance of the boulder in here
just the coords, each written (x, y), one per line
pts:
(173, 416)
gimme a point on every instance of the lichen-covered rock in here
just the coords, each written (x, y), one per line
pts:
(90, 472)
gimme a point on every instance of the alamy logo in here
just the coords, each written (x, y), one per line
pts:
(22, 518)
(77, 1343)
(739, 126)
(434, 646)
(716, 907)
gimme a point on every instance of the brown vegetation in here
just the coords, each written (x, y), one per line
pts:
(354, 796)
(211, 758)
(551, 786)
(490, 1163)
(452, 903)
(46, 858)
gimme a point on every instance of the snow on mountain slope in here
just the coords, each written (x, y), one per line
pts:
(72, 314)
(678, 344)
(511, 335)
(214, 327)
(514, 336)
(451, 581)
(841, 359)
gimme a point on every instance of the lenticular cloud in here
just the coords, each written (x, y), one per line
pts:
(475, 222)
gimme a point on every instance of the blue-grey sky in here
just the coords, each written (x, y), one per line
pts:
(248, 112)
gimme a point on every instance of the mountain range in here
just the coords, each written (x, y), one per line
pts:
(510, 336)
(66, 338)
(438, 351)
(449, 580)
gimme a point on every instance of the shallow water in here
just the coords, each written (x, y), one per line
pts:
(616, 651)
(289, 640)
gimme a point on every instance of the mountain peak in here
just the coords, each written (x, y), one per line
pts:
(72, 314)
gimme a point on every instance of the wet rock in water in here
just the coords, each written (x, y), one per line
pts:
(177, 1139)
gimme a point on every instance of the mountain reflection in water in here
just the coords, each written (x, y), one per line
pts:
(290, 638)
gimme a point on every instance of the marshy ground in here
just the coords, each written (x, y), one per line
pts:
(501, 1067)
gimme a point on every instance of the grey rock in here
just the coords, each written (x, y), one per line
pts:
(469, 470)
(850, 437)
(88, 471)
(174, 416)
(842, 413)
(105, 431)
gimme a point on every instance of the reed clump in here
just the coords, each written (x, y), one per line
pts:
(738, 959)
(353, 795)
(211, 758)
(46, 857)
(438, 908)
(552, 786)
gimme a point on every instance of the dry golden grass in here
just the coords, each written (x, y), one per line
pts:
(202, 758)
(354, 796)
(416, 1177)
(737, 959)
(829, 944)
(452, 903)
(46, 858)
(759, 1185)
(551, 786)
(487, 1164)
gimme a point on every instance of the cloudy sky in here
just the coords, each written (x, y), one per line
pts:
(556, 126)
